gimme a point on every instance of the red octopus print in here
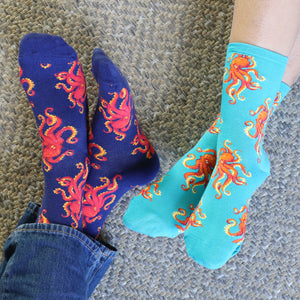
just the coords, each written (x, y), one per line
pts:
(226, 168)
(27, 82)
(239, 77)
(242, 224)
(146, 191)
(75, 187)
(52, 140)
(190, 220)
(262, 114)
(202, 169)
(143, 143)
(42, 218)
(75, 85)
(99, 155)
(213, 128)
(99, 198)
(118, 119)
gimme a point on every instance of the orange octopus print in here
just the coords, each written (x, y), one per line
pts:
(75, 187)
(202, 169)
(242, 224)
(146, 191)
(213, 128)
(26, 81)
(52, 140)
(275, 103)
(239, 77)
(190, 220)
(75, 85)
(226, 166)
(98, 198)
(262, 114)
(143, 143)
(118, 119)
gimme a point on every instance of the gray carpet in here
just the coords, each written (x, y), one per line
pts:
(172, 53)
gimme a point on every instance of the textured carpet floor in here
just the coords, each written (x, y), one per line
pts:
(172, 53)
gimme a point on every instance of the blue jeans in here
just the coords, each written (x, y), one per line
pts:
(51, 261)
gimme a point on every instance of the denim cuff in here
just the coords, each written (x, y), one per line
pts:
(97, 250)
(30, 215)
(57, 259)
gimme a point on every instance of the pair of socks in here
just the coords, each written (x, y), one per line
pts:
(206, 194)
(86, 170)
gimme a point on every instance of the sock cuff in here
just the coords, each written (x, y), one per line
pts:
(284, 89)
(248, 49)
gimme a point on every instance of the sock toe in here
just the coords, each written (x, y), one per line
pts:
(45, 45)
(210, 254)
(148, 222)
(103, 69)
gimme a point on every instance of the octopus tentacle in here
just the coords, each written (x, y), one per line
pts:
(231, 223)
(51, 119)
(213, 128)
(63, 193)
(100, 156)
(42, 118)
(181, 212)
(250, 125)
(29, 91)
(42, 218)
(146, 191)
(60, 157)
(71, 139)
(242, 225)
(145, 145)
(107, 206)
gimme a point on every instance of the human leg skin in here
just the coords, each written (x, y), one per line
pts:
(292, 70)
(270, 24)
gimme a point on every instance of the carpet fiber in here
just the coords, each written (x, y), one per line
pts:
(172, 53)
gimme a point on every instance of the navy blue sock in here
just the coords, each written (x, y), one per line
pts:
(54, 83)
(121, 155)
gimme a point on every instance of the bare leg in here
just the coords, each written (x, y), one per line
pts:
(270, 24)
(292, 71)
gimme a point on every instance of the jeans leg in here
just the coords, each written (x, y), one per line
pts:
(29, 216)
(51, 261)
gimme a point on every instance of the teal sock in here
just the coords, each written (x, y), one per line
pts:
(164, 207)
(252, 78)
